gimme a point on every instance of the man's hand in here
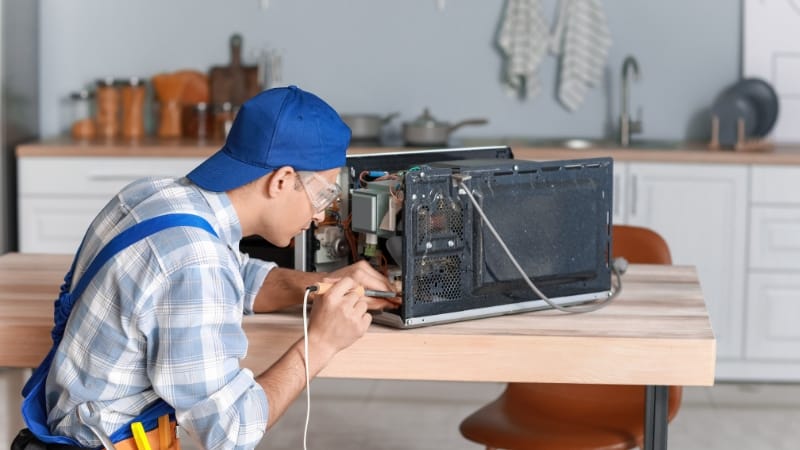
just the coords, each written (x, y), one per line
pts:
(363, 274)
(338, 317)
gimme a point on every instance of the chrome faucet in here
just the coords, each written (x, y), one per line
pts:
(627, 126)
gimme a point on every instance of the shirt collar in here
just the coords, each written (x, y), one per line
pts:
(220, 205)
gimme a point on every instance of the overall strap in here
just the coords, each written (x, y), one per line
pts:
(134, 234)
(34, 409)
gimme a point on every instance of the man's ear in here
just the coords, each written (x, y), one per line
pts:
(280, 180)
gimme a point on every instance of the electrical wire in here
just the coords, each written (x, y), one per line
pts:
(570, 309)
(305, 360)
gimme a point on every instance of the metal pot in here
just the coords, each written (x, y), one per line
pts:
(427, 131)
(366, 127)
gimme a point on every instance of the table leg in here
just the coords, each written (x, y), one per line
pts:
(655, 417)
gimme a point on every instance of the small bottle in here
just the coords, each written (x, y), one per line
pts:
(196, 121)
(107, 119)
(83, 126)
(132, 92)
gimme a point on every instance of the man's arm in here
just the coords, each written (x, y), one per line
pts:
(285, 287)
(338, 319)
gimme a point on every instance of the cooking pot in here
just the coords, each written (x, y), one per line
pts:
(366, 127)
(425, 130)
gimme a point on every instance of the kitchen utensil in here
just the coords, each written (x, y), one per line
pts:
(169, 88)
(729, 108)
(752, 100)
(764, 99)
(235, 82)
(107, 115)
(83, 126)
(425, 130)
(132, 91)
(195, 87)
(366, 127)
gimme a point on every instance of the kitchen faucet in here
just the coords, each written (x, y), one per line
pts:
(626, 125)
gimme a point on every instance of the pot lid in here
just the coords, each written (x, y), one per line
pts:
(427, 120)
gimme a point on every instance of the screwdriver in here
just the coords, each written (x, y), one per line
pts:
(323, 287)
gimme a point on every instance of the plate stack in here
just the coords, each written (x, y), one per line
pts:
(744, 114)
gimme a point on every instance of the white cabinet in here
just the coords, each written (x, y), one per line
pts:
(773, 301)
(59, 196)
(701, 211)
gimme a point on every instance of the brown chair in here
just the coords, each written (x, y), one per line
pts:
(530, 416)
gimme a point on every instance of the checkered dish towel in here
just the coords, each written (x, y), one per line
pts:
(524, 38)
(582, 38)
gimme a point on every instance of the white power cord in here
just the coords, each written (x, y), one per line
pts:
(305, 360)
(571, 309)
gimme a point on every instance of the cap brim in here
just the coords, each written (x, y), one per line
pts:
(221, 172)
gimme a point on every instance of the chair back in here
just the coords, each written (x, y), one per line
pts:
(639, 245)
(542, 415)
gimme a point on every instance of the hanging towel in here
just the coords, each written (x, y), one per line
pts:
(524, 38)
(583, 39)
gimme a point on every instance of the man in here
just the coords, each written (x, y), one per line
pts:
(162, 318)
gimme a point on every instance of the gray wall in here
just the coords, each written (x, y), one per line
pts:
(383, 56)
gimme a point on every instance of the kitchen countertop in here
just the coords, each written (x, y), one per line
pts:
(155, 147)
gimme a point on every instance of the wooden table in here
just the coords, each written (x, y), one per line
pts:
(656, 333)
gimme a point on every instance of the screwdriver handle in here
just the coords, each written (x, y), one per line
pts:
(322, 287)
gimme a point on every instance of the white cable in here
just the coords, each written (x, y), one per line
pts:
(305, 359)
(571, 309)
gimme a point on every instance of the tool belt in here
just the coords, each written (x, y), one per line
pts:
(163, 437)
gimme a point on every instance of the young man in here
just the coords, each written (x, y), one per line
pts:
(162, 318)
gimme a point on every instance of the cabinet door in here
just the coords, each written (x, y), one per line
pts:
(773, 307)
(700, 209)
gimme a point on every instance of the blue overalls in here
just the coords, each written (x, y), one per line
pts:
(34, 409)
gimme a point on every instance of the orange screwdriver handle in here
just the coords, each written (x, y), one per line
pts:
(322, 287)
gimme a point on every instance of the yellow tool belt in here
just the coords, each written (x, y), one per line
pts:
(162, 437)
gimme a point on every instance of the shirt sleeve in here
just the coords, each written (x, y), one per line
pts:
(254, 272)
(194, 350)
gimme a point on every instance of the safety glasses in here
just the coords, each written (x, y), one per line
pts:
(320, 191)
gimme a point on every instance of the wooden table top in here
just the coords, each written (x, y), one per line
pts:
(657, 332)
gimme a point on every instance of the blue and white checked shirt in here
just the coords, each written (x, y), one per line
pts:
(163, 319)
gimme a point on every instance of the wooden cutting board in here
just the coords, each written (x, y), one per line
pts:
(235, 82)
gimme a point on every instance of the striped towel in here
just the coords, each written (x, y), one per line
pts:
(524, 38)
(582, 38)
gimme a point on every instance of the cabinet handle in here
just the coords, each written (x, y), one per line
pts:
(634, 193)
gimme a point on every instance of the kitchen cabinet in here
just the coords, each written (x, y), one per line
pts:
(59, 196)
(773, 301)
(701, 211)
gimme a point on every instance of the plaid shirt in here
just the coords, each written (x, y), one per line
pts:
(163, 319)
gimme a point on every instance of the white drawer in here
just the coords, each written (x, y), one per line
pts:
(776, 184)
(57, 224)
(94, 175)
(775, 237)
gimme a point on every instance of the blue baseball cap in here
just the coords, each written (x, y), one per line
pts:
(279, 127)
